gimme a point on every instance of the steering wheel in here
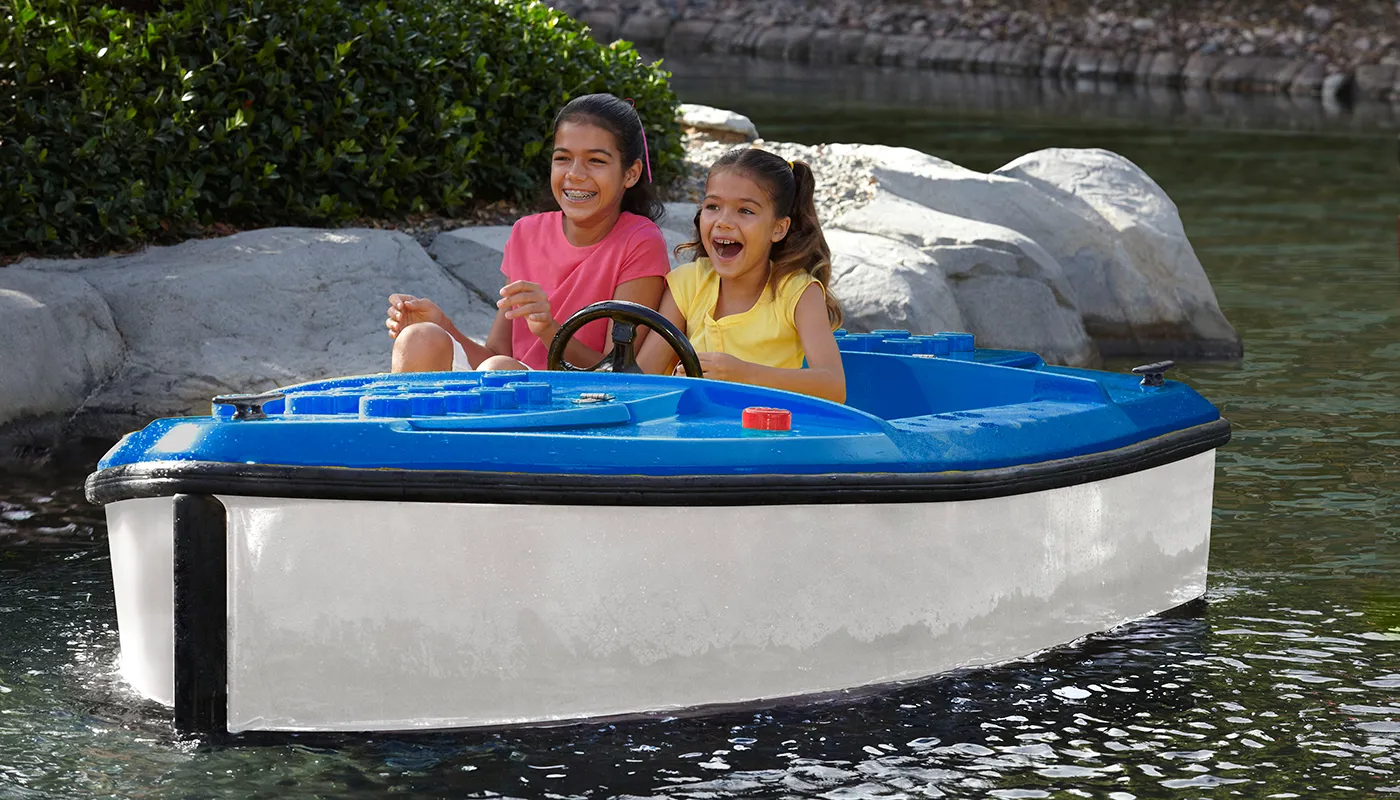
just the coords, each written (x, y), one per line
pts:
(625, 317)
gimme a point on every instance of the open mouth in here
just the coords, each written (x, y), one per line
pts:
(726, 248)
(578, 195)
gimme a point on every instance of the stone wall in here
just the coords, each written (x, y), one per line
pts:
(1339, 49)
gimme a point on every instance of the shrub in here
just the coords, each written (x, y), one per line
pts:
(118, 126)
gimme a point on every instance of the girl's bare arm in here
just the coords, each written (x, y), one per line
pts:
(656, 356)
(824, 376)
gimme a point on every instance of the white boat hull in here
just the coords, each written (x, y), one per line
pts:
(376, 615)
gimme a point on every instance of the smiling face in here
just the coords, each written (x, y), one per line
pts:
(738, 224)
(588, 177)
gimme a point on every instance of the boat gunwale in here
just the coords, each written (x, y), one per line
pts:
(169, 478)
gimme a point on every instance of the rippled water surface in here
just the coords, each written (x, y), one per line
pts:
(1286, 683)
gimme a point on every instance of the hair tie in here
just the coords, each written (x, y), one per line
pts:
(646, 154)
(792, 166)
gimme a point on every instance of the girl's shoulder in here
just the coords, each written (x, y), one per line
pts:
(796, 282)
(696, 270)
(688, 278)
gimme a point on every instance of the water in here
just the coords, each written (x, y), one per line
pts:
(1285, 684)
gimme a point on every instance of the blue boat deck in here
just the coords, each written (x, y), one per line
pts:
(909, 410)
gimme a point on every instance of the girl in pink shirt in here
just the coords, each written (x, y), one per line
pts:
(602, 244)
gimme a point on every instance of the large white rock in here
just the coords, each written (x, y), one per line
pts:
(1007, 289)
(251, 312)
(1141, 287)
(884, 283)
(1113, 231)
(58, 343)
(716, 122)
(678, 226)
(473, 256)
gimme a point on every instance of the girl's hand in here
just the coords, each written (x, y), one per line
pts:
(721, 367)
(528, 300)
(405, 310)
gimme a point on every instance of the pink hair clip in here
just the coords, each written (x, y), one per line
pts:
(646, 154)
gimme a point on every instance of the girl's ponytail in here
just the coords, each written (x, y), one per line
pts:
(804, 247)
(624, 123)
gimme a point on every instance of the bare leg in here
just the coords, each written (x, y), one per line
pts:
(422, 347)
(501, 362)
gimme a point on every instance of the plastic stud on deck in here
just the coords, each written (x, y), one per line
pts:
(758, 418)
(247, 406)
(1152, 373)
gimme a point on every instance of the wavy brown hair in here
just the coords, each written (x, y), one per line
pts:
(791, 188)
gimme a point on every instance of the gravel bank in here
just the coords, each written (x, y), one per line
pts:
(844, 182)
(1333, 47)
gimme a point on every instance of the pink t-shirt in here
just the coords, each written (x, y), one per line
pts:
(574, 277)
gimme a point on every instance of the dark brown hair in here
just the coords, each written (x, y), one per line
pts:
(625, 124)
(790, 186)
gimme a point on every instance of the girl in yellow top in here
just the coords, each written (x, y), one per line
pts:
(754, 303)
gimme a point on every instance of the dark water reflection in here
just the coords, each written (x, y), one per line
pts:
(1285, 684)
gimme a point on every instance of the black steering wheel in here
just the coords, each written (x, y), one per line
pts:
(625, 317)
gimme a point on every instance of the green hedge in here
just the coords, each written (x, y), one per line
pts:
(118, 127)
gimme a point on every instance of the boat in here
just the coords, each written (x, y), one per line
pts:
(402, 552)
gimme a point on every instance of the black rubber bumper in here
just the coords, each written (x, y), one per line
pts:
(169, 478)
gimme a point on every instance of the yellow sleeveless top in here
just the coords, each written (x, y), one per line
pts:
(765, 334)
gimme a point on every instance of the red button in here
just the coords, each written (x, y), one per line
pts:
(758, 418)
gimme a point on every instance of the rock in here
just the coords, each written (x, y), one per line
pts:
(59, 343)
(717, 123)
(603, 23)
(797, 45)
(1142, 73)
(253, 311)
(1140, 286)
(1110, 66)
(883, 283)
(1235, 73)
(1127, 66)
(821, 47)
(989, 57)
(1115, 234)
(687, 37)
(1199, 69)
(943, 54)
(1165, 69)
(1274, 74)
(746, 43)
(973, 55)
(1007, 289)
(871, 47)
(678, 226)
(723, 38)
(1086, 63)
(846, 48)
(646, 31)
(1053, 60)
(901, 34)
(473, 256)
(1309, 80)
(1025, 59)
(1375, 81)
(782, 43)
(903, 50)
(1319, 16)
(1336, 85)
